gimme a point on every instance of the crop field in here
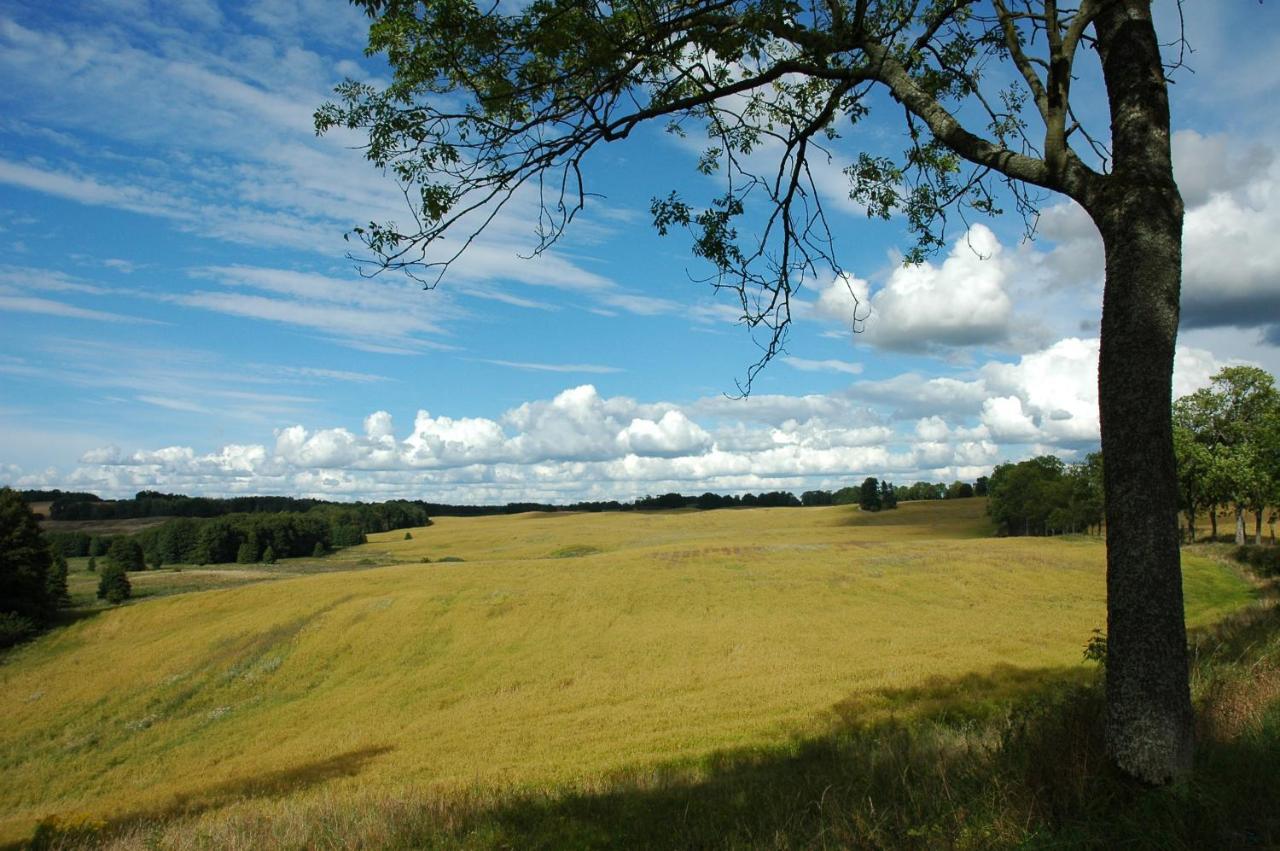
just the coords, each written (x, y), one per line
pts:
(539, 652)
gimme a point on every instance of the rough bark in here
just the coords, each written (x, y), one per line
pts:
(1257, 527)
(1239, 526)
(1139, 212)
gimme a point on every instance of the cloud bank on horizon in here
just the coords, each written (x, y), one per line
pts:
(179, 313)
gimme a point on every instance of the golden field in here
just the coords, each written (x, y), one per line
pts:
(561, 650)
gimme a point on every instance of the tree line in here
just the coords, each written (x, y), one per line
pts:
(248, 537)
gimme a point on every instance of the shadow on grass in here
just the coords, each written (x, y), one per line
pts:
(900, 768)
(1006, 758)
(59, 833)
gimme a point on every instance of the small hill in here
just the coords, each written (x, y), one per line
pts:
(544, 651)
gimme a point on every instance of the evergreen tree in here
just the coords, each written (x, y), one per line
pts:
(113, 584)
(318, 551)
(56, 583)
(408, 536)
(247, 554)
(93, 564)
(869, 495)
(25, 564)
(126, 554)
(269, 555)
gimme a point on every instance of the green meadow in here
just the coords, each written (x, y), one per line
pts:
(397, 692)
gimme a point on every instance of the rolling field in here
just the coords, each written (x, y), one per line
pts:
(560, 651)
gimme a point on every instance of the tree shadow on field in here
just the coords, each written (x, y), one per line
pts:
(54, 832)
(1009, 757)
(900, 768)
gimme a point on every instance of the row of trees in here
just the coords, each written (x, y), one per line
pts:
(1227, 441)
(1044, 496)
(214, 540)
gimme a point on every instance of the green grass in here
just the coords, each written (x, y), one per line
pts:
(575, 676)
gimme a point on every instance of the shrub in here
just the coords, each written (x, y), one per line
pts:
(408, 536)
(319, 550)
(269, 555)
(14, 628)
(93, 564)
(113, 585)
(1264, 560)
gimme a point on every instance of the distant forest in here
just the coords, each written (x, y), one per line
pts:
(70, 505)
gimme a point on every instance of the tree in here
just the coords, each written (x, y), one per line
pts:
(888, 496)
(980, 485)
(869, 495)
(56, 583)
(268, 555)
(486, 100)
(247, 552)
(126, 554)
(26, 565)
(959, 490)
(113, 584)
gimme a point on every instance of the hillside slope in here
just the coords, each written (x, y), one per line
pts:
(563, 648)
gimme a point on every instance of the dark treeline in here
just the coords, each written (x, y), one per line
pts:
(77, 506)
(246, 537)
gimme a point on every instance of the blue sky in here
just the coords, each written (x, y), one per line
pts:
(177, 310)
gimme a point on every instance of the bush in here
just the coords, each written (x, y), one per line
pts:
(93, 564)
(113, 585)
(408, 536)
(269, 555)
(1264, 560)
(14, 628)
(319, 550)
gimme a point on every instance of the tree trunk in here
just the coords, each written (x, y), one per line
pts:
(1191, 525)
(1239, 526)
(1257, 527)
(1213, 523)
(1139, 212)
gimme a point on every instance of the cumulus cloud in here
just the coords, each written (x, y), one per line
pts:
(960, 302)
(579, 444)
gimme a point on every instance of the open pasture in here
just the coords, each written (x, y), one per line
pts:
(561, 650)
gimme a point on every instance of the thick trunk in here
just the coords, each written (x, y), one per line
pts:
(1213, 524)
(1239, 526)
(1139, 213)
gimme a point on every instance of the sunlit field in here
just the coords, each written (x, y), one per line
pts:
(550, 651)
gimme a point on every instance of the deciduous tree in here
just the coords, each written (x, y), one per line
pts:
(487, 101)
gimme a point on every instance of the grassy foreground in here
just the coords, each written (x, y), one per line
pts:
(787, 677)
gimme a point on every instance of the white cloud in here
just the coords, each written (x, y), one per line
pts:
(928, 307)
(829, 365)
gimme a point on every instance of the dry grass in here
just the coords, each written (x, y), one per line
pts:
(563, 651)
